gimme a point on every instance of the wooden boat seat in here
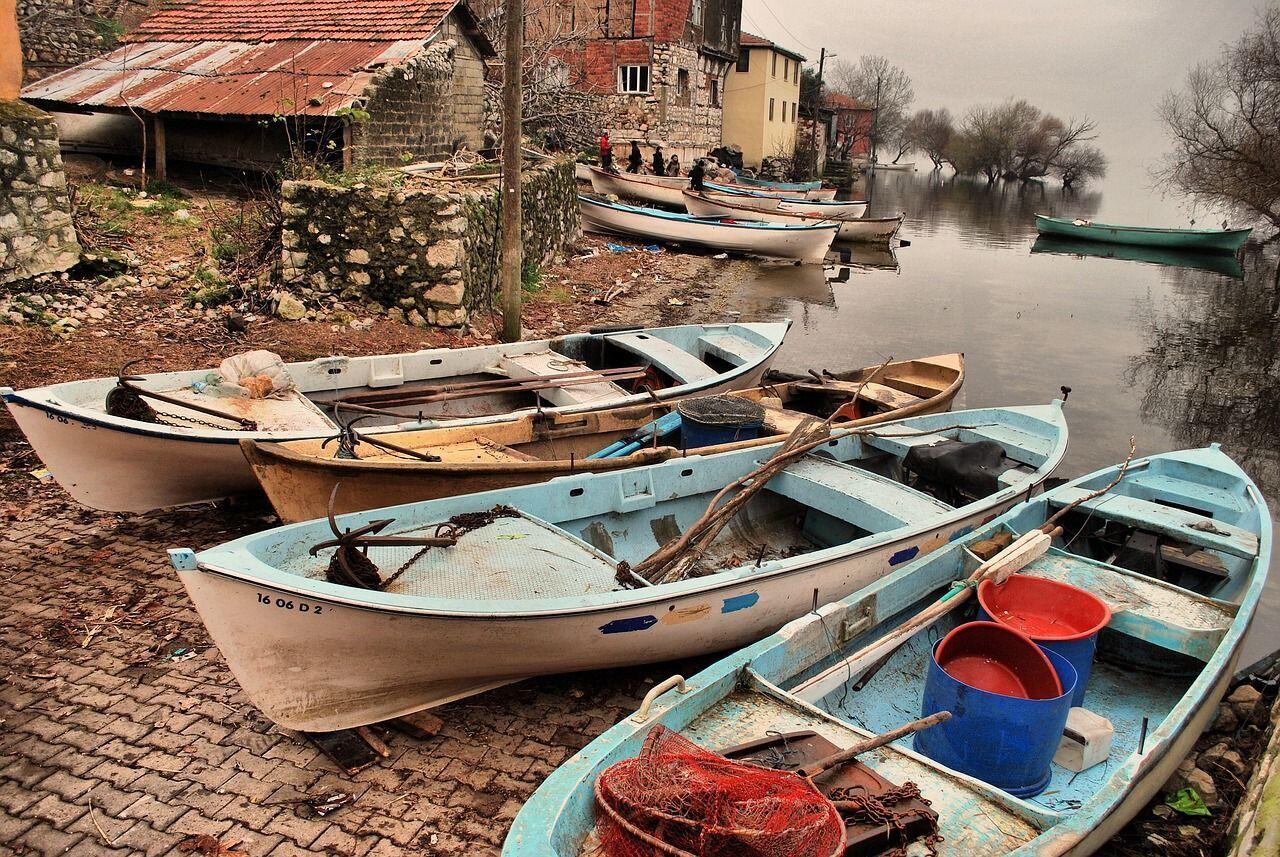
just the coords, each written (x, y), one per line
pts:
(1142, 607)
(483, 565)
(730, 348)
(864, 499)
(881, 394)
(1019, 445)
(1159, 486)
(476, 451)
(674, 361)
(1188, 527)
(289, 411)
(779, 420)
(547, 362)
(899, 440)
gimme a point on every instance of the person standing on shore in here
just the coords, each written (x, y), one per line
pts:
(606, 153)
(673, 166)
(696, 175)
(659, 162)
(635, 159)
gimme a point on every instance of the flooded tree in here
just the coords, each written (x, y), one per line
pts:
(1225, 126)
(931, 131)
(1081, 163)
(1017, 140)
(876, 81)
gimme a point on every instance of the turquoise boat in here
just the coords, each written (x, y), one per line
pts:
(548, 589)
(1217, 263)
(772, 185)
(1178, 551)
(1207, 240)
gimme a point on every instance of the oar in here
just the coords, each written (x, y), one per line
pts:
(660, 427)
(431, 390)
(839, 758)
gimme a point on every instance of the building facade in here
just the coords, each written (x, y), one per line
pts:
(850, 127)
(762, 101)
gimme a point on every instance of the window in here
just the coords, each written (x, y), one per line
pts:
(695, 13)
(633, 79)
(770, 109)
(786, 68)
(775, 65)
(714, 88)
(744, 60)
(793, 111)
(683, 96)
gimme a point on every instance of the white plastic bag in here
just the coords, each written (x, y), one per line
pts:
(256, 374)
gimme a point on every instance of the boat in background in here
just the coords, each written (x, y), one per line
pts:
(299, 476)
(1218, 263)
(808, 243)
(1204, 240)
(812, 207)
(189, 452)
(752, 181)
(879, 230)
(908, 166)
(819, 195)
(1165, 661)
(549, 588)
(660, 190)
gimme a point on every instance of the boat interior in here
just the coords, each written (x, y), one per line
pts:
(1162, 635)
(857, 488)
(391, 389)
(910, 384)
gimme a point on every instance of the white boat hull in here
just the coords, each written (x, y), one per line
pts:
(656, 189)
(806, 244)
(878, 230)
(854, 208)
(910, 165)
(318, 664)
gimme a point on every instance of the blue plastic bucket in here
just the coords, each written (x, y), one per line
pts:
(715, 420)
(1006, 741)
(1058, 616)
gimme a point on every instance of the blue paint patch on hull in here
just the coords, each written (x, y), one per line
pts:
(904, 555)
(631, 623)
(740, 602)
(960, 533)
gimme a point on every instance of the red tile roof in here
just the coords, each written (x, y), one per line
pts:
(751, 40)
(276, 20)
(840, 101)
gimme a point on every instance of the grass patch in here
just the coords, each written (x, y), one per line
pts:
(211, 292)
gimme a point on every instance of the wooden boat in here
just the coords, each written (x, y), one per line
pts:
(1164, 662)
(826, 194)
(876, 230)
(808, 243)
(1218, 263)
(752, 181)
(299, 476)
(581, 171)
(812, 207)
(908, 166)
(660, 190)
(1206, 240)
(540, 593)
(120, 463)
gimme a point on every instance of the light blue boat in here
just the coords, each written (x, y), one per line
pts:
(772, 185)
(546, 592)
(1207, 240)
(1165, 660)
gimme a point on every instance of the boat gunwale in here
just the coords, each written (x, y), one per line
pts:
(1156, 230)
(736, 191)
(258, 572)
(759, 225)
(837, 218)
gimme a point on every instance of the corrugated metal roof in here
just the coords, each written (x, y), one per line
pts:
(278, 20)
(225, 77)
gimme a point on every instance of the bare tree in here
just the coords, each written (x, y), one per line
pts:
(1225, 126)
(1081, 163)
(931, 132)
(1017, 140)
(875, 81)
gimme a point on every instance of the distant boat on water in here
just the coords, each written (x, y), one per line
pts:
(1207, 240)
(1218, 263)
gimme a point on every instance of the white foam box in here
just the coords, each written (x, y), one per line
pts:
(1086, 740)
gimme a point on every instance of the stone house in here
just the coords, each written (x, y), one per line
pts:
(761, 100)
(251, 84)
(850, 127)
(658, 67)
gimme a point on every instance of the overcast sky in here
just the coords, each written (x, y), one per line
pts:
(1110, 59)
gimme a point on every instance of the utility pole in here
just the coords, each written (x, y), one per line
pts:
(509, 203)
(815, 108)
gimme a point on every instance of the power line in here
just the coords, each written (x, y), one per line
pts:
(793, 36)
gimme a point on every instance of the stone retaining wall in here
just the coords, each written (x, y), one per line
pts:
(36, 235)
(426, 254)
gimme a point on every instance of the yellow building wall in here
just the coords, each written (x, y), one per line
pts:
(746, 107)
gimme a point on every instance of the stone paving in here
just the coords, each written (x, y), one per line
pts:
(123, 731)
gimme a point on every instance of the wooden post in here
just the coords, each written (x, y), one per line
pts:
(509, 203)
(348, 146)
(10, 51)
(158, 132)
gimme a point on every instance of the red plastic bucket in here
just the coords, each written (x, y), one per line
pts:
(997, 659)
(1057, 615)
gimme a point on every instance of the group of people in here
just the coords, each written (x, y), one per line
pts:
(660, 166)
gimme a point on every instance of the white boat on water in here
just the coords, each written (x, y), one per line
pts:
(875, 230)
(538, 591)
(819, 195)
(188, 450)
(661, 190)
(907, 167)
(812, 207)
(808, 243)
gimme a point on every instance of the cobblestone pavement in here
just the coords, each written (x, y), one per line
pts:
(124, 732)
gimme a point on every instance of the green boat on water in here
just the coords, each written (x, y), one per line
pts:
(1218, 263)
(1205, 240)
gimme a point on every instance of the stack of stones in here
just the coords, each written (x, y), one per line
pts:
(36, 235)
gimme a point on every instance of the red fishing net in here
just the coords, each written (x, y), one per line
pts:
(679, 799)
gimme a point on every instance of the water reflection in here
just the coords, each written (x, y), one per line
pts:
(852, 256)
(1211, 367)
(1218, 263)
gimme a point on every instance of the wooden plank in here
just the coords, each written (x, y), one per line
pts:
(1200, 530)
(888, 396)
(672, 360)
(733, 349)
(161, 155)
(862, 498)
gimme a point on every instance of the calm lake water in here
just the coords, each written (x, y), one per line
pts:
(1178, 356)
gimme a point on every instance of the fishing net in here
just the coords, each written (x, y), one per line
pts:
(721, 410)
(679, 799)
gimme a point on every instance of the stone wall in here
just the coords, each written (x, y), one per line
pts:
(60, 33)
(422, 253)
(427, 106)
(36, 235)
